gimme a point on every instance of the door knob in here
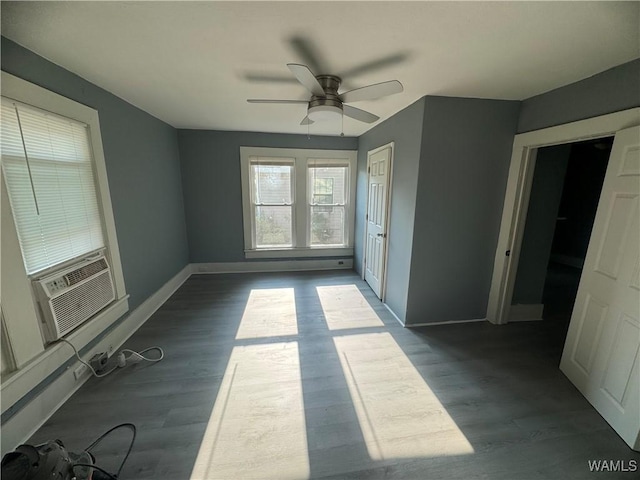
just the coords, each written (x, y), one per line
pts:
(383, 235)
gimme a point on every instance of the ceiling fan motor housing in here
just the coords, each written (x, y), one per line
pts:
(328, 107)
(326, 104)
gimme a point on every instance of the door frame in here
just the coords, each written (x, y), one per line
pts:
(516, 199)
(383, 281)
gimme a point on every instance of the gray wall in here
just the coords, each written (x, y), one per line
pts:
(143, 168)
(464, 162)
(544, 201)
(212, 187)
(611, 91)
(405, 129)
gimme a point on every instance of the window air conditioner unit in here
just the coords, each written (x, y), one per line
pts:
(71, 296)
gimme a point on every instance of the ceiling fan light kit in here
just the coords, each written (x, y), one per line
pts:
(322, 113)
(326, 104)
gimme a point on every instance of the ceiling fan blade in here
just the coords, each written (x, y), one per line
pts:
(358, 114)
(306, 78)
(376, 64)
(263, 77)
(372, 92)
(309, 53)
(264, 100)
(306, 121)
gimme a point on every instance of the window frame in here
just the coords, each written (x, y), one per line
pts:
(321, 163)
(20, 90)
(289, 162)
(18, 302)
(34, 164)
(304, 159)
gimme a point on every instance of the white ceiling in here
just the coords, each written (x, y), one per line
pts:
(194, 64)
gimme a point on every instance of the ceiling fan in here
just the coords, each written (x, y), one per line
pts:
(326, 103)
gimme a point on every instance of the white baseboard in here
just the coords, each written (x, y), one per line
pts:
(274, 266)
(22, 381)
(394, 314)
(37, 411)
(24, 423)
(526, 312)
(449, 322)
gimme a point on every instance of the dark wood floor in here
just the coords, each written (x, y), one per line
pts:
(307, 375)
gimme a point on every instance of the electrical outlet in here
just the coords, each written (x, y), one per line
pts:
(99, 361)
(79, 371)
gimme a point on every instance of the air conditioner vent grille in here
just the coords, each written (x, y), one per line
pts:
(85, 272)
(74, 306)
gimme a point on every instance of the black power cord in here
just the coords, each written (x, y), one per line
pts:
(97, 441)
(95, 467)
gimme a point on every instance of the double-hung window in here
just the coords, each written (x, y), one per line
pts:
(298, 202)
(47, 162)
(328, 203)
(56, 211)
(272, 201)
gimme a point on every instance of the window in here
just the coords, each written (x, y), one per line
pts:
(48, 167)
(63, 144)
(272, 203)
(322, 189)
(297, 203)
(328, 186)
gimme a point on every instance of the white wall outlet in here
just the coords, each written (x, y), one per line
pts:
(79, 371)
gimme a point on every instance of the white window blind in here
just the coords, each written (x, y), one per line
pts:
(48, 169)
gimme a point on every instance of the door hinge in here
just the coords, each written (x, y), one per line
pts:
(366, 217)
(368, 169)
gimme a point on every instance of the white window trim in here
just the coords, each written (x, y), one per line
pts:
(30, 94)
(20, 320)
(303, 159)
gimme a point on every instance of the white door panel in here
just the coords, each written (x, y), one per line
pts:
(376, 220)
(601, 352)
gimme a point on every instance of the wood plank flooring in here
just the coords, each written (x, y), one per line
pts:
(307, 375)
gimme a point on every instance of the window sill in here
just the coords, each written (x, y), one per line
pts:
(314, 252)
(21, 381)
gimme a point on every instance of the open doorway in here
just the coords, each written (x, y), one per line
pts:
(564, 197)
(600, 355)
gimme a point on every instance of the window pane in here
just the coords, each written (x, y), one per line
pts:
(327, 185)
(273, 226)
(272, 184)
(327, 226)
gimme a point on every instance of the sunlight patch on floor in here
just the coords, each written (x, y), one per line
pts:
(270, 312)
(344, 307)
(399, 415)
(257, 426)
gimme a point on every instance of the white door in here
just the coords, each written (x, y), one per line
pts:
(379, 166)
(601, 352)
